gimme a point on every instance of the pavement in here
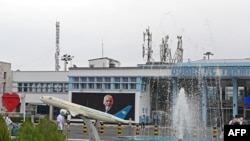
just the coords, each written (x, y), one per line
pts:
(77, 132)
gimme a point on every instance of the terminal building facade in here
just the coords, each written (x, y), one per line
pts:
(219, 88)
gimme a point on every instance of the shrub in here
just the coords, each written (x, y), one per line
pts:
(44, 131)
(4, 132)
(28, 132)
(51, 133)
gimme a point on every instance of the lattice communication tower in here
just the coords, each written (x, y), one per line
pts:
(57, 54)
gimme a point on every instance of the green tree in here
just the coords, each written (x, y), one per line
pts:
(28, 132)
(44, 131)
(50, 130)
(4, 132)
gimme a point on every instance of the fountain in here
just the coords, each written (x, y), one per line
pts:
(183, 116)
(186, 125)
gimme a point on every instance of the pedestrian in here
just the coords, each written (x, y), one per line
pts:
(143, 122)
(222, 133)
(61, 121)
(8, 121)
(215, 121)
(244, 121)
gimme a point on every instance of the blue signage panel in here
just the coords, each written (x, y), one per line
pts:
(247, 100)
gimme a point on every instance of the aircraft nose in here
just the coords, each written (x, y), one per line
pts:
(41, 98)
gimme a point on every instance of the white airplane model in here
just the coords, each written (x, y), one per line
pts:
(79, 110)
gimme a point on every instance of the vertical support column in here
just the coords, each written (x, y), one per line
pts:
(112, 83)
(235, 96)
(174, 83)
(93, 134)
(51, 111)
(204, 101)
(223, 93)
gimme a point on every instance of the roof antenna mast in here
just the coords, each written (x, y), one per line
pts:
(57, 65)
(147, 45)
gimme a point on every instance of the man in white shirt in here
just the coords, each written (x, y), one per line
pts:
(8, 121)
(60, 121)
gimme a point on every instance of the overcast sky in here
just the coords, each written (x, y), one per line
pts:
(28, 30)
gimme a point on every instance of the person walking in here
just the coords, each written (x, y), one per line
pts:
(8, 121)
(143, 122)
(61, 121)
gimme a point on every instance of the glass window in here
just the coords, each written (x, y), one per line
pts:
(48, 87)
(84, 79)
(133, 86)
(75, 86)
(60, 87)
(124, 79)
(20, 84)
(107, 79)
(55, 87)
(75, 79)
(91, 86)
(117, 79)
(30, 87)
(4, 75)
(33, 87)
(99, 79)
(83, 86)
(117, 86)
(98, 86)
(107, 86)
(44, 90)
(133, 79)
(91, 79)
(19, 87)
(39, 87)
(66, 87)
(125, 86)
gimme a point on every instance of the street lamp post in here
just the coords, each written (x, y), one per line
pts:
(208, 54)
(66, 58)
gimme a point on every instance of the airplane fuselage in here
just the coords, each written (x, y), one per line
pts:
(79, 110)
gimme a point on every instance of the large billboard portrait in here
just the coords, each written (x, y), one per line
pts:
(106, 102)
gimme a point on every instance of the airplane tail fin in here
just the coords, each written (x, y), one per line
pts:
(124, 112)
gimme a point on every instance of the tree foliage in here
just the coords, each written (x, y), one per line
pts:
(44, 131)
(50, 130)
(4, 132)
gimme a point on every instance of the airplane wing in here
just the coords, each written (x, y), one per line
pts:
(73, 113)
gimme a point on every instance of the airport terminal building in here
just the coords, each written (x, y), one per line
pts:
(220, 88)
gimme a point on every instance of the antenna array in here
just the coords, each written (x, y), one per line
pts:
(147, 41)
(165, 51)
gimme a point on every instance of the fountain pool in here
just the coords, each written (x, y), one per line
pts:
(185, 120)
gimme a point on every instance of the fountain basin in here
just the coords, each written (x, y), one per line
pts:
(163, 138)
